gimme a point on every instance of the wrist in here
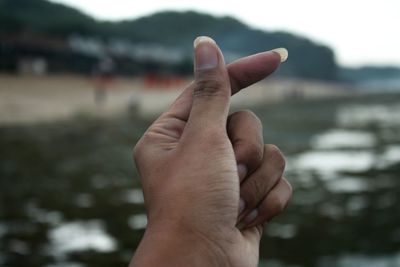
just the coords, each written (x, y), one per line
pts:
(176, 246)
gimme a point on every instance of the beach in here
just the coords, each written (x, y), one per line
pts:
(30, 99)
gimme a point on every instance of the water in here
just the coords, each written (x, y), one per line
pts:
(70, 194)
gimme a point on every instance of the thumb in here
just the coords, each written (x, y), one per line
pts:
(212, 92)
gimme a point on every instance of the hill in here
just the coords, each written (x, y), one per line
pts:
(169, 30)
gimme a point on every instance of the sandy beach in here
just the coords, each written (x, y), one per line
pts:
(30, 99)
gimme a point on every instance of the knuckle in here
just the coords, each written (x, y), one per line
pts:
(247, 149)
(253, 152)
(248, 115)
(289, 188)
(252, 115)
(209, 88)
(257, 120)
(243, 113)
(275, 154)
(276, 205)
(253, 192)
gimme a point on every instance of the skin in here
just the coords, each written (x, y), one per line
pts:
(196, 163)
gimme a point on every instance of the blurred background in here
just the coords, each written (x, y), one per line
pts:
(80, 81)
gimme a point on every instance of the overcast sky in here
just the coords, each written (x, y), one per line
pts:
(360, 31)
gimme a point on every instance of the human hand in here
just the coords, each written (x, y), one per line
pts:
(188, 162)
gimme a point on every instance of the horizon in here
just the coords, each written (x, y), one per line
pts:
(361, 51)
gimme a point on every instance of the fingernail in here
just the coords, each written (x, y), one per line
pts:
(206, 55)
(250, 217)
(282, 52)
(242, 205)
(242, 171)
(200, 39)
(247, 220)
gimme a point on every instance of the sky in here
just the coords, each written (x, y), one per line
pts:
(361, 32)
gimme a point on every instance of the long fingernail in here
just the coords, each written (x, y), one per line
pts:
(206, 55)
(242, 205)
(242, 171)
(282, 52)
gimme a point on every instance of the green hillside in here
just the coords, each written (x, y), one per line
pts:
(169, 29)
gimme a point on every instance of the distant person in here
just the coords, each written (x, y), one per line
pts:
(103, 76)
(209, 182)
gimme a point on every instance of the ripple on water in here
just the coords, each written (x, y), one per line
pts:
(347, 185)
(328, 163)
(360, 260)
(133, 196)
(80, 236)
(84, 200)
(356, 204)
(357, 115)
(331, 210)
(390, 156)
(138, 221)
(42, 215)
(339, 138)
(285, 231)
(19, 247)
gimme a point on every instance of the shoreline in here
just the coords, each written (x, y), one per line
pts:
(35, 99)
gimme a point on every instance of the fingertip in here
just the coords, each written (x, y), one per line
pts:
(206, 54)
(282, 53)
(202, 39)
(251, 69)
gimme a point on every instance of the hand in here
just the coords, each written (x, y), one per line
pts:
(188, 162)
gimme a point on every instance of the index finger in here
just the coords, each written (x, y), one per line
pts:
(242, 73)
(249, 70)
